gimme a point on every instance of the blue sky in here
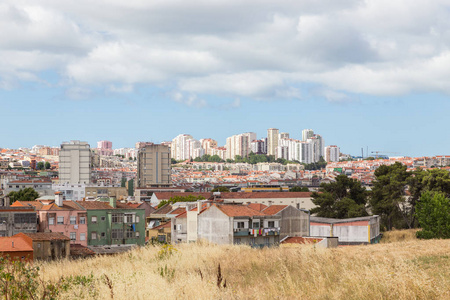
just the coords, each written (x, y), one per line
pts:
(360, 73)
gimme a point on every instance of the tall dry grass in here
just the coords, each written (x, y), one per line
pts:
(402, 270)
(399, 235)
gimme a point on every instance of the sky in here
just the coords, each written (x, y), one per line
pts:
(371, 74)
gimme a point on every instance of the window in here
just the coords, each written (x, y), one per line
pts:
(255, 225)
(117, 218)
(117, 234)
(174, 227)
(73, 236)
(128, 218)
(82, 220)
(51, 221)
(240, 224)
(93, 235)
(39, 245)
(103, 235)
(94, 219)
(73, 220)
(137, 234)
(103, 218)
(82, 236)
(130, 233)
(137, 219)
(60, 220)
(179, 227)
(271, 224)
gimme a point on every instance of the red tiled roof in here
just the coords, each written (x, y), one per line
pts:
(95, 205)
(15, 243)
(257, 206)
(178, 211)
(301, 240)
(274, 209)
(47, 236)
(239, 210)
(163, 209)
(239, 195)
(165, 225)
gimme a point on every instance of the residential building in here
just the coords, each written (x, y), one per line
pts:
(208, 145)
(48, 245)
(105, 148)
(272, 141)
(66, 217)
(332, 153)
(120, 193)
(74, 163)
(306, 134)
(17, 248)
(258, 146)
(113, 223)
(238, 224)
(14, 220)
(75, 192)
(153, 166)
(284, 135)
(42, 186)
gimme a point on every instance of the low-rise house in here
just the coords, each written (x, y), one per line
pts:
(43, 187)
(294, 222)
(17, 219)
(161, 233)
(16, 248)
(66, 217)
(362, 230)
(238, 224)
(48, 245)
(113, 223)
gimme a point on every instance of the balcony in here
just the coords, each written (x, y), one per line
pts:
(241, 232)
(257, 232)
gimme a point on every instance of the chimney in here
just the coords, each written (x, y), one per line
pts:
(199, 206)
(113, 202)
(59, 198)
(12, 244)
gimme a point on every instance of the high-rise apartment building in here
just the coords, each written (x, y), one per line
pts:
(332, 153)
(75, 163)
(306, 134)
(272, 141)
(105, 148)
(239, 145)
(258, 147)
(208, 145)
(284, 135)
(153, 166)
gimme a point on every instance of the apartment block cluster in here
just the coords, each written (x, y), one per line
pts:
(307, 150)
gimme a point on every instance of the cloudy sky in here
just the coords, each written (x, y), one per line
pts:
(372, 73)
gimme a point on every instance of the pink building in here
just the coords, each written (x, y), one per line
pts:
(66, 217)
(104, 148)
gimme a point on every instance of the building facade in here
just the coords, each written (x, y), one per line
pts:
(75, 163)
(272, 141)
(153, 166)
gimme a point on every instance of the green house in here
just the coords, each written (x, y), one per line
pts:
(112, 223)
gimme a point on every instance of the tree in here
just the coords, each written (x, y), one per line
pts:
(173, 161)
(222, 189)
(123, 182)
(345, 198)
(40, 165)
(47, 165)
(299, 189)
(433, 214)
(388, 197)
(130, 187)
(175, 199)
(27, 194)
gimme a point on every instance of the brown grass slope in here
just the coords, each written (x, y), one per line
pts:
(409, 269)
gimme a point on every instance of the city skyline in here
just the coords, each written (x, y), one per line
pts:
(361, 73)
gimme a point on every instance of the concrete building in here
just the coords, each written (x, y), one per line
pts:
(272, 141)
(41, 186)
(208, 145)
(105, 148)
(153, 166)
(306, 134)
(294, 222)
(332, 153)
(238, 224)
(74, 163)
(258, 146)
(363, 230)
(239, 144)
(17, 219)
(284, 135)
(48, 245)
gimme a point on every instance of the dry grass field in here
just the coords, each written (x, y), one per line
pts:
(405, 269)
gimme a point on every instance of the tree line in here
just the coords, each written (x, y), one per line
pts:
(401, 198)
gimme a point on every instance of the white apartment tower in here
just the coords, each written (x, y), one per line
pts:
(74, 163)
(272, 141)
(306, 134)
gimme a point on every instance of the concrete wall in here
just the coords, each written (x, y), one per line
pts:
(9, 225)
(303, 203)
(348, 232)
(317, 229)
(294, 222)
(215, 226)
(49, 250)
(192, 225)
(179, 230)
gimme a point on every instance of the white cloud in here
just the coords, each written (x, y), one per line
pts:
(229, 48)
